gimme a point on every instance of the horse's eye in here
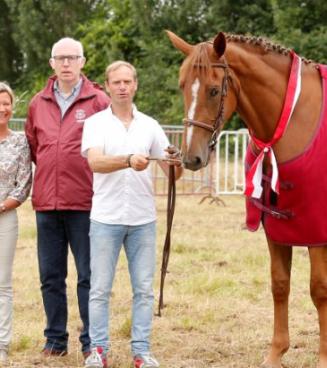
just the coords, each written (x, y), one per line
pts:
(214, 91)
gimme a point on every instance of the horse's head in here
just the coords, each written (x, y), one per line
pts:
(208, 100)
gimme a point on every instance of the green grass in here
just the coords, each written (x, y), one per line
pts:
(218, 310)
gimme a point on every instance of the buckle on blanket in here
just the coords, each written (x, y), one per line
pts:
(272, 211)
(283, 184)
(285, 215)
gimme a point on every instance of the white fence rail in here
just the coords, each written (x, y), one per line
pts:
(224, 174)
(230, 156)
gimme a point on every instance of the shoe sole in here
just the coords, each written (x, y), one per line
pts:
(53, 353)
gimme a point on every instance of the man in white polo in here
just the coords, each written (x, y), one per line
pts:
(117, 143)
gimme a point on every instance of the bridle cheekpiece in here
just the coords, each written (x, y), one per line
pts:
(219, 120)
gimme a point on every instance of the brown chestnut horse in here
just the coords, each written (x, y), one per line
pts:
(250, 75)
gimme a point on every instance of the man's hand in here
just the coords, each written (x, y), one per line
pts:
(174, 156)
(139, 162)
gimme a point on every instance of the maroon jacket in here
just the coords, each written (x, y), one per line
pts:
(63, 179)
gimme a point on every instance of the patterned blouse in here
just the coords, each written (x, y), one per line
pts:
(15, 167)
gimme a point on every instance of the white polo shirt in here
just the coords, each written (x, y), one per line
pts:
(125, 196)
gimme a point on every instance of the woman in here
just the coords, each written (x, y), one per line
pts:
(15, 184)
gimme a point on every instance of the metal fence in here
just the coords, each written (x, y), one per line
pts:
(229, 158)
(17, 124)
(224, 174)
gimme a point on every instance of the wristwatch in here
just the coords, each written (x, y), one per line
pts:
(2, 207)
(128, 159)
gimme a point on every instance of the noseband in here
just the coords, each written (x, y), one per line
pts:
(219, 120)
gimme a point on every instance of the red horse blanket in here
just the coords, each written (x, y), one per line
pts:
(297, 215)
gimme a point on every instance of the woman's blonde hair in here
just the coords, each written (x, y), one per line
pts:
(4, 87)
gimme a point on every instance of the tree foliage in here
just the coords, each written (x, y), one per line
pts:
(133, 30)
(38, 24)
(11, 55)
(301, 25)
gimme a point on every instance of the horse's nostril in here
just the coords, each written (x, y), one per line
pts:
(193, 163)
(197, 160)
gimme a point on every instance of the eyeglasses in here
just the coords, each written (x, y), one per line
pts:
(70, 58)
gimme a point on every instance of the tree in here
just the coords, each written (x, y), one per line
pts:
(10, 56)
(301, 25)
(243, 17)
(38, 24)
(125, 33)
(133, 30)
(109, 36)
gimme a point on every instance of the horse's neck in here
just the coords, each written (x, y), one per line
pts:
(263, 81)
(262, 85)
(305, 118)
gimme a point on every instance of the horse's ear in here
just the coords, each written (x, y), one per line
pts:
(219, 44)
(180, 44)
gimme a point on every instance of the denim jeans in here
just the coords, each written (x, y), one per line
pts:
(140, 249)
(55, 230)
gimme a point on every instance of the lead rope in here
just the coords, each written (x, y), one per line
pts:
(166, 249)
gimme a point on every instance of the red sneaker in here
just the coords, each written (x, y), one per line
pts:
(97, 359)
(145, 361)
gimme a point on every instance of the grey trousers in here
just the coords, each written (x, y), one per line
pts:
(8, 241)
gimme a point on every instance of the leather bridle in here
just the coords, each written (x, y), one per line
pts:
(219, 120)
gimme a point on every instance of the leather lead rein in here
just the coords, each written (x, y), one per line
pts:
(166, 249)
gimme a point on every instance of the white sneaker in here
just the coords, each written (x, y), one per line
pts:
(3, 356)
(145, 361)
(95, 359)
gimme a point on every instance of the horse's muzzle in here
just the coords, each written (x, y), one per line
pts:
(193, 163)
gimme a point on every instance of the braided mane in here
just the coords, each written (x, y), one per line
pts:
(200, 62)
(265, 44)
(258, 41)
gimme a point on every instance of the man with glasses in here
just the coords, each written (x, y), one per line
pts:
(62, 189)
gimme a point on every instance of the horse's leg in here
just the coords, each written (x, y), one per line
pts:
(281, 263)
(318, 288)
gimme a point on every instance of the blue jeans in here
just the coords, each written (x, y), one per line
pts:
(140, 249)
(55, 230)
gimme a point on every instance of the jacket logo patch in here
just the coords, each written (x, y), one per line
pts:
(80, 115)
